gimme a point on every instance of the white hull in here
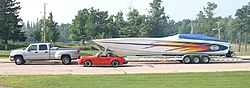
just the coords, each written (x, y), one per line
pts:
(163, 46)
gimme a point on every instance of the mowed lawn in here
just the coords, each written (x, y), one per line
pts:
(4, 54)
(168, 80)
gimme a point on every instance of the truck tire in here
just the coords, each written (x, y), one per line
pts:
(19, 60)
(205, 59)
(87, 63)
(186, 60)
(195, 60)
(180, 61)
(115, 63)
(66, 60)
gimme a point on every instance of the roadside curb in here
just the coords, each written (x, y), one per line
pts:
(244, 57)
(5, 61)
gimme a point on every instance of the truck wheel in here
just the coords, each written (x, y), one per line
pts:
(87, 63)
(205, 59)
(66, 60)
(115, 63)
(195, 60)
(186, 60)
(19, 60)
(180, 61)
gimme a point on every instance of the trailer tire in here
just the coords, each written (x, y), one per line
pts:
(66, 60)
(87, 63)
(186, 60)
(205, 59)
(115, 63)
(195, 60)
(19, 60)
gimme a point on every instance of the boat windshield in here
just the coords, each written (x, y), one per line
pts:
(98, 54)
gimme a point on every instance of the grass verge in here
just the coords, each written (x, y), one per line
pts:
(169, 80)
(4, 54)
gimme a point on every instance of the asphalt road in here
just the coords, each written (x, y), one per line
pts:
(56, 67)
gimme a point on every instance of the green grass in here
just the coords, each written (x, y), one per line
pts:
(4, 53)
(170, 80)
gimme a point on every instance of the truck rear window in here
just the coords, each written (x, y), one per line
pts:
(42, 47)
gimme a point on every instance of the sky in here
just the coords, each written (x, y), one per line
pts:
(65, 10)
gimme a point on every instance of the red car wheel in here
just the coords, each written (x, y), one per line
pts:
(87, 63)
(115, 63)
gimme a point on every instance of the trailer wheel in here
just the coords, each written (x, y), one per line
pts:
(186, 60)
(205, 59)
(115, 63)
(66, 60)
(195, 60)
(19, 60)
(87, 63)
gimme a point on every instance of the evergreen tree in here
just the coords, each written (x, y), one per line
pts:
(52, 31)
(10, 22)
(157, 20)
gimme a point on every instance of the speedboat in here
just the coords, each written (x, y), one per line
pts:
(179, 44)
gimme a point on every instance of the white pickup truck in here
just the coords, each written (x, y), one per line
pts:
(43, 52)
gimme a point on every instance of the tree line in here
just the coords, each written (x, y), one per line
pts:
(92, 23)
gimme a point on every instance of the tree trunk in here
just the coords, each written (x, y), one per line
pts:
(83, 42)
(6, 44)
(245, 41)
(240, 41)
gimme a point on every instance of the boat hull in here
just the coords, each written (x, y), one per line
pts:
(163, 46)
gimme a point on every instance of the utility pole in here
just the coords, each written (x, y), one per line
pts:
(218, 23)
(218, 28)
(44, 24)
(192, 29)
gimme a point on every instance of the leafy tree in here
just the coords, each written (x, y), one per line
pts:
(64, 30)
(156, 21)
(37, 34)
(135, 23)
(10, 22)
(77, 29)
(52, 32)
(184, 26)
(110, 30)
(92, 24)
(120, 24)
(242, 22)
(171, 28)
(210, 22)
(231, 33)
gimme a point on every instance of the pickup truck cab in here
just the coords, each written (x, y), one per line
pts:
(43, 52)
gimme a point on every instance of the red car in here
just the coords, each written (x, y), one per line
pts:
(99, 59)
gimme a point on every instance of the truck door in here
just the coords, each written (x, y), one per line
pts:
(43, 52)
(31, 52)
